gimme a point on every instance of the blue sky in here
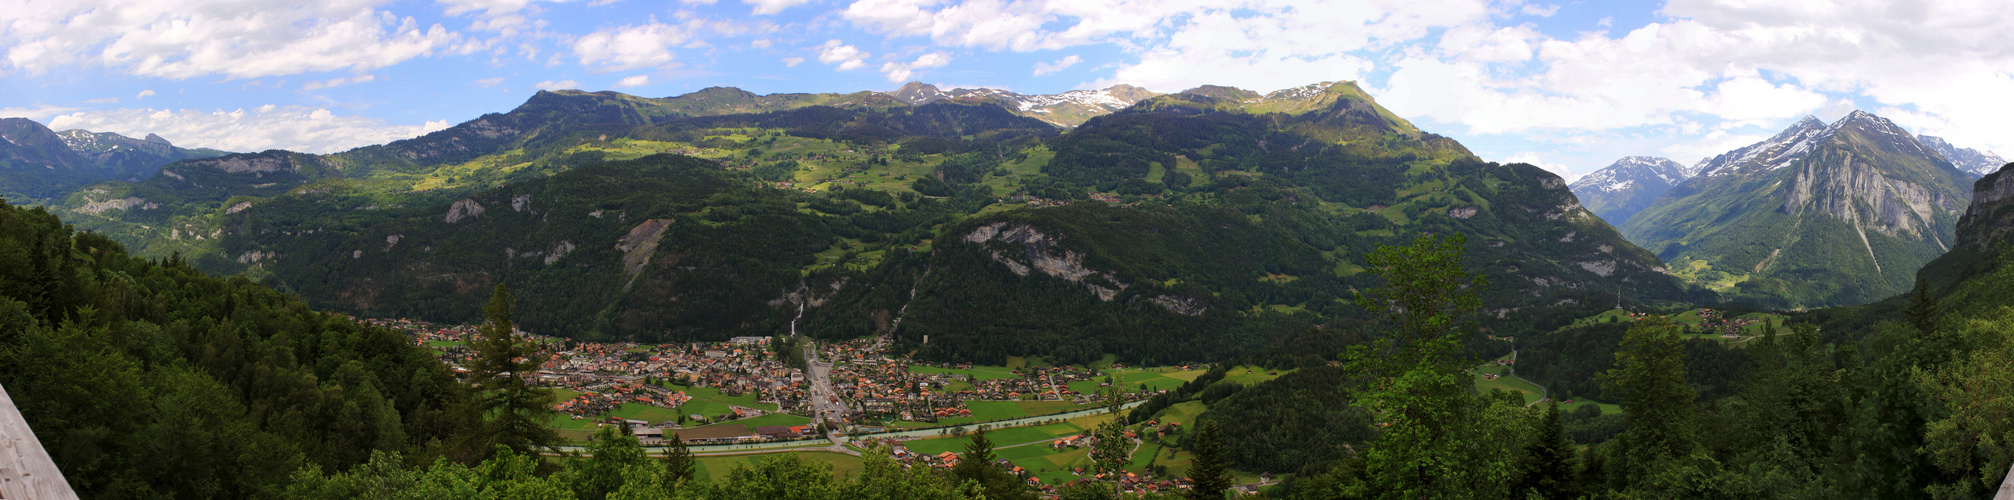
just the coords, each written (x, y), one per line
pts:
(1570, 86)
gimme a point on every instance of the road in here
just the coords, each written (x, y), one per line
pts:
(826, 406)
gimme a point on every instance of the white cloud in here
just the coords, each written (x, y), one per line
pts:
(296, 128)
(103, 100)
(1712, 144)
(1532, 9)
(631, 47)
(1539, 161)
(39, 113)
(1260, 44)
(768, 7)
(489, 82)
(1057, 65)
(900, 72)
(792, 62)
(559, 85)
(144, 93)
(333, 82)
(488, 7)
(190, 38)
(1939, 67)
(846, 57)
(634, 81)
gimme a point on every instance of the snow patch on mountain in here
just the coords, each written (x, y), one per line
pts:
(1971, 160)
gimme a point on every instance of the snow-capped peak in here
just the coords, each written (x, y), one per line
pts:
(1631, 171)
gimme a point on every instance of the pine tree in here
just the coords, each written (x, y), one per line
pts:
(1922, 310)
(679, 465)
(1549, 467)
(514, 413)
(1207, 473)
(977, 465)
(1649, 375)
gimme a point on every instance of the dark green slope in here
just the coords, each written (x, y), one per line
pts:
(149, 379)
(36, 165)
(1847, 222)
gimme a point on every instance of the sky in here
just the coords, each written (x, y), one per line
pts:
(1569, 86)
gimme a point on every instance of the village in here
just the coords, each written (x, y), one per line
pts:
(877, 391)
(738, 392)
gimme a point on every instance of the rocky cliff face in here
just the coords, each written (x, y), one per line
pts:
(1865, 194)
(1989, 221)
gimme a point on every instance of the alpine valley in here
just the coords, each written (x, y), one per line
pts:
(1138, 295)
(968, 224)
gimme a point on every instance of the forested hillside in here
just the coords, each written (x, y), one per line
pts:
(148, 378)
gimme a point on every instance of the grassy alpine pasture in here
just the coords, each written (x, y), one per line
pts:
(1505, 382)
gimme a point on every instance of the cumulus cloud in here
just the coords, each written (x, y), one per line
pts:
(844, 57)
(1538, 160)
(1940, 64)
(631, 47)
(1532, 9)
(1261, 44)
(296, 128)
(792, 62)
(558, 85)
(190, 38)
(489, 82)
(634, 81)
(899, 72)
(1057, 65)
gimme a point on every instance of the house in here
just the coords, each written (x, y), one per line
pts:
(778, 431)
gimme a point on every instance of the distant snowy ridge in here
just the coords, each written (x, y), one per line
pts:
(1971, 160)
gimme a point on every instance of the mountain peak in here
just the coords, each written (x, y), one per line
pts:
(919, 93)
(157, 140)
(1620, 190)
(1977, 162)
(1221, 92)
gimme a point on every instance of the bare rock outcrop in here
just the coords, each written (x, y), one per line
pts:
(640, 243)
(1039, 250)
(464, 209)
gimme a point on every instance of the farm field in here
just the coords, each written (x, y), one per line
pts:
(1252, 375)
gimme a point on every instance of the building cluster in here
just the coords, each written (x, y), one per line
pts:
(1712, 322)
(884, 388)
(608, 375)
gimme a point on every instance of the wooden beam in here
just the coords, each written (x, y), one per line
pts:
(25, 469)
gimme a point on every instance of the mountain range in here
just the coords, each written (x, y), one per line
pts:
(1817, 215)
(39, 164)
(1179, 227)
